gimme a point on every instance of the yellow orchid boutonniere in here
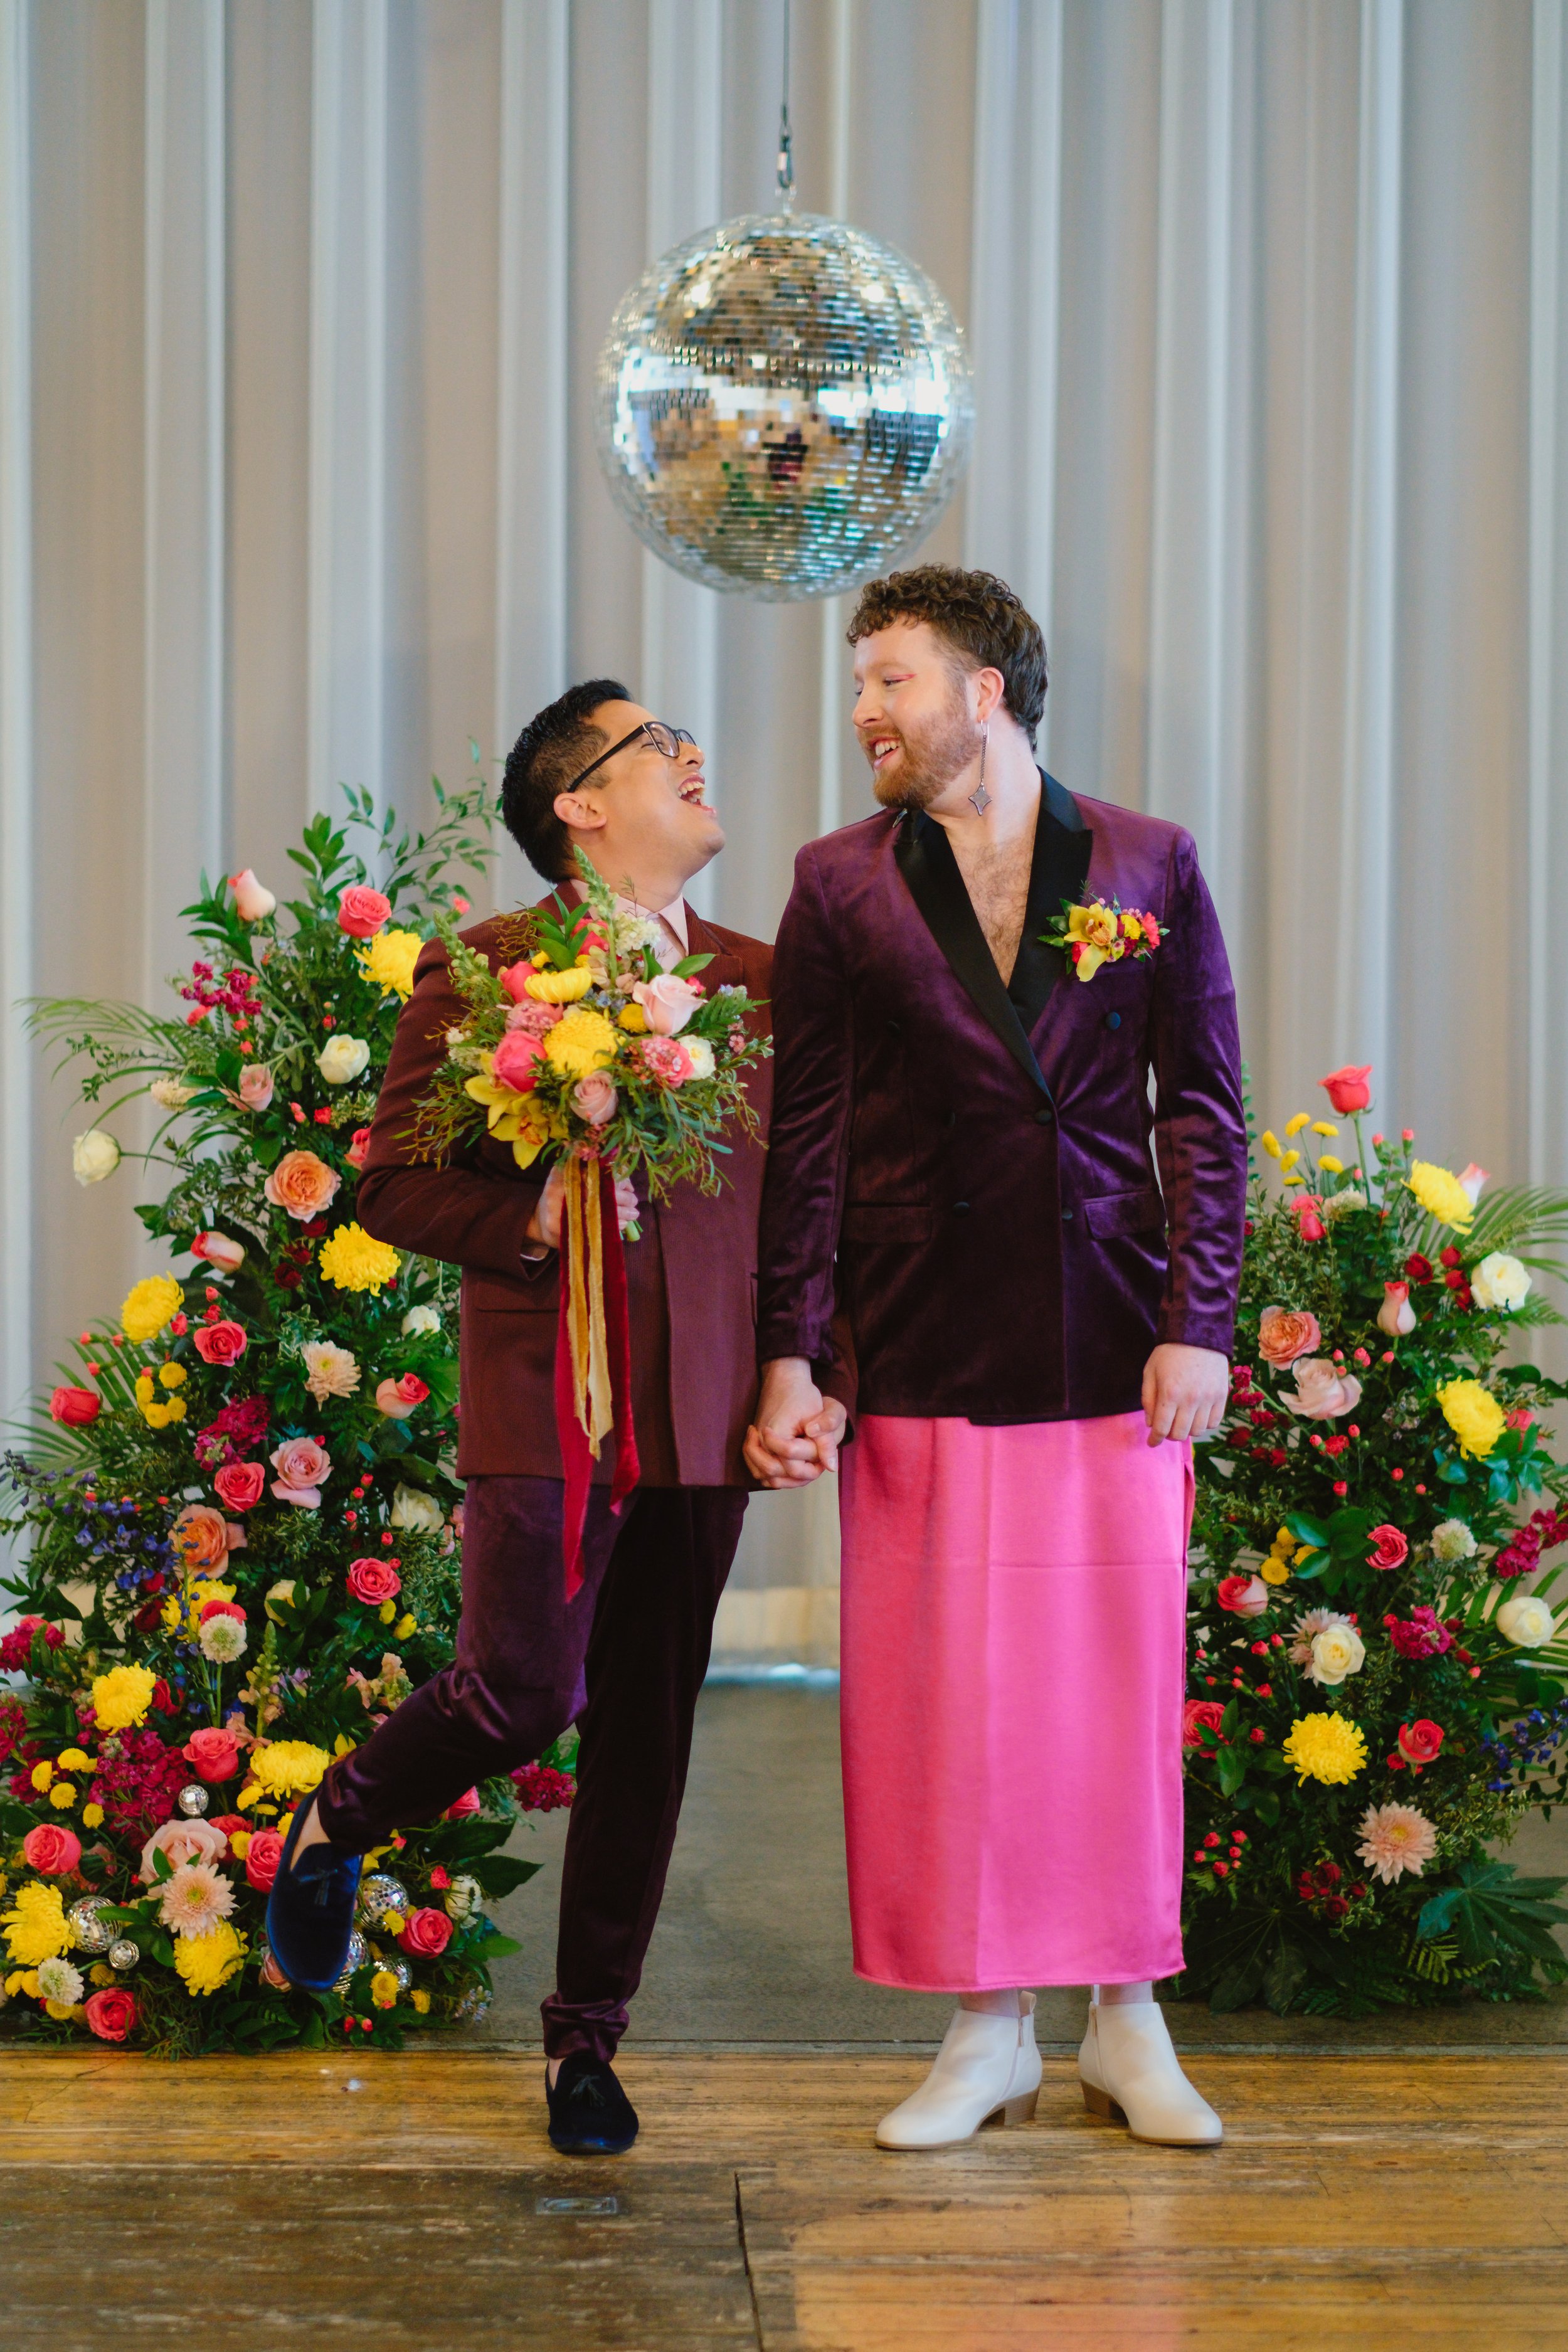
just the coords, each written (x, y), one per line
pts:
(1097, 933)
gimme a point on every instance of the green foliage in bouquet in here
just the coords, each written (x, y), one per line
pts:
(1376, 1677)
(239, 1512)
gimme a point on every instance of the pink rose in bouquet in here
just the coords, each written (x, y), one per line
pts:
(361, 911)
(52, 1849)
(1389, 1548)
(182, 1840)
(594, 1098)
(252, 899)
(1244, 1596)
(1284, 1333)
(256, 1085)
(425, 1933)
(667, 1002)
(303, 1185)
(219, 1252)
(200, 1536)
(1347, 1090)
(515, 978)
(398, 1399)
(262, 1857)
(74, 1408)
(358, 1146)
(1396, 1316)
(241, 1485)
(1322, 1391)
(213, 1753)
(111, 2013)
(1200, 1714)
(463, 1808)
(220, 1343)
(1419, 1742)
(373, 1580)
(515, 1062)
(301, 1466)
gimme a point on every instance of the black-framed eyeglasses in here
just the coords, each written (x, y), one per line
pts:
(666, 740)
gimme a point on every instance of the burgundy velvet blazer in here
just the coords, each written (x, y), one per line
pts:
(690, 1279)
(966, 1166)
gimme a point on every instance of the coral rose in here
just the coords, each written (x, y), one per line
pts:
(241, 1485)
(1284, 1333)
(515, 1062)
(75, 1407)
(1244, 1596)
(515, 978)
(220, 1343)
(303, 1185)
(252, 901)
(361, 911)
(301, 1466)
(425, 1933)
(200, 1536)
(256, 1085)
(1389, 1548)
(218, 1251)
(213, 1754)
(111, 2013)
(358, 1146)
(1323, 1392)
(51, 1849)
(398, 1399)
(262, 1857)
(1348, 1090)
(1420, 1741)
(373, 1580)
(1200, 1714)
(667, 1002)
(1396, 1316)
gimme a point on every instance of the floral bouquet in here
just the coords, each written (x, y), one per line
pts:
(587, 1049)
(239, 1505)
(1377, 1677)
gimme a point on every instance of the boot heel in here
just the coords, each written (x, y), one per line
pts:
(1100, 2103)
(1021, 2110)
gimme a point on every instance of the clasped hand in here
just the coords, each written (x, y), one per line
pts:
(544, 1225)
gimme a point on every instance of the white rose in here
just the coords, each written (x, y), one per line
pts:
(700, 1054)
(94, 1156)
(281, 1592)
(1452, 1540)
(420, 1319)
(1500, 1282)
(417, 1511)
(1337, 1651)
(342, 1059)
(252, 899)
(1526, 1622)
(171, 1093)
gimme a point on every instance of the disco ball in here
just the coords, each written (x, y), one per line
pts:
(783, 405)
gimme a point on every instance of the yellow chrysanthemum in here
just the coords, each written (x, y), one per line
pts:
(1324, 1127)
(121, 1698)
(37, 1927)
(205, 1963)
(633, 1020)
(1335, 1167)
(288, 1768)
(580, 1042)
(42, 1774)
(1328, 1747)
(173, 1376)
(353, 1261)
(1441, 1195)
(383, 1989)
(421, 2001)
(1297, 1121)
(1270, 1143)
(149, 1307)
(1474, 1415)
(92, 1817)
(551, 987)
(1274, 1569)
(388, 961)
(62, 1796)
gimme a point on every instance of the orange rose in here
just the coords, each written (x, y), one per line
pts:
(303, 1185)
(200, 1536)
(1283, 1334)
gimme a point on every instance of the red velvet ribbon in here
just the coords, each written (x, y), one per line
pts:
(577, 1456)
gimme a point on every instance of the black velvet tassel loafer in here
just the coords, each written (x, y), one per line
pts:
(310, 1910)
(590, 2115)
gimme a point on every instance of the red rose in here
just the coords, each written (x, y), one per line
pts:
(213, 1754)
(426, 1933)
(221, 1608)
(515, 1063)
(464, 1807)
(1420, 1741)
(242, 1484)
(75, 1407)
(1244, 1596)
(111, 2012)
(1347, 1090)
(52, 1849)
(1418, 1268)
(262, 1858)
(1389, 1548)
(361, 911)
(1197, 1715)
(357, 1149)
(373, 1580)
(220, 1343)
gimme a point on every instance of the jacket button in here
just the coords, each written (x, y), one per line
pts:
(960, 1208)
(1114, 1020)
(1066, 1216)
(1044, 1118)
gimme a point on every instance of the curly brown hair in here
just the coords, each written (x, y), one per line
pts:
(977, 615)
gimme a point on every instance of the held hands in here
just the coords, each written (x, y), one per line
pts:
(544, 1225)
(797, 1430)
(1185, 1391)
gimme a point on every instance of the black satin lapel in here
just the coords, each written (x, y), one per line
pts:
(934, 883)
(1063, 846)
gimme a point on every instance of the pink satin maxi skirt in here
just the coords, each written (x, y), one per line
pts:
(1014, 1667)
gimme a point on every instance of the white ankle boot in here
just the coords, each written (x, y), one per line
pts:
(1129, 2074)
(987, 2066)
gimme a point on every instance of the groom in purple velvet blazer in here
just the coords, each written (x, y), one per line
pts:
(959, 1163)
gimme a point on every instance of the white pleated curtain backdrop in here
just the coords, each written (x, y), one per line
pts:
(1268, 305)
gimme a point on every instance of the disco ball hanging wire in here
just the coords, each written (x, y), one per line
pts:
(783, 402)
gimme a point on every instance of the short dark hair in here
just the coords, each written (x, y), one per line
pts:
(557, 744)
(979, 616)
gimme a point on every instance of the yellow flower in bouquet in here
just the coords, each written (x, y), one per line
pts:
(1474, 1415)
(288, 1768)
(580, 1042)
(552, 987)
(205, 1963)
(149, 1306)
(1328, 1747)
(38, 1928)
(351, 1260)
(511, 1116)
(1441, 1195)
(122, 1696)
(388, 961)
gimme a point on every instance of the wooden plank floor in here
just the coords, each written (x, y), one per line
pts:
(1367, 2201)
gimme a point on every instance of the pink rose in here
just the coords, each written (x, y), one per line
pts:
(1284, 1333)
(1472, 1177)
(220, 1343)
(355, 1154)
(1306, 1208)
(111, 2013)
(200, 1536)
(301, 1466)
(256, 1085)
(667, 1004)
(1389, 1548)
(515, 1061)
(426, 1933)
(213, 1754)
(75, 1407)
(594, 1098)
(361, 911)
(303, 1185)
(1420, 1741)
(52, 1849)
(398, 1399)
(241, 1485)
(533, 1019)
(1396, 1316)
(515, 978)
(252, 901)
(182, 1840)
(667, 1058)
(1322, 1391)
(463, 1808)
(1347, 1090)
(1200, 1714)
(373, 1580)
(262, 1857)
(1244, 1596)
(219, 1252)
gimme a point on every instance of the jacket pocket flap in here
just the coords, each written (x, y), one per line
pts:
(1124, 1212)
(868, 1220)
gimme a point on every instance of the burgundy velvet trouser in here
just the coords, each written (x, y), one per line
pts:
(625, 1660)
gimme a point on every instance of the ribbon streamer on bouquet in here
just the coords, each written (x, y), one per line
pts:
(592, 1352)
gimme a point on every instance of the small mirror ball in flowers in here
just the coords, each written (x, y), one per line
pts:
(239, 1519)
(1377, 1657)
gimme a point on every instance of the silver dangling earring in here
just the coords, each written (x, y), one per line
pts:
(979, 799)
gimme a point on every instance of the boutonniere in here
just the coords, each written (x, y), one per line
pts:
(1096, 934)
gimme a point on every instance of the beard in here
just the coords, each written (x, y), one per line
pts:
(931, 755)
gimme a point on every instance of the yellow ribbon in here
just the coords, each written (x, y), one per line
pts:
(591, 1393)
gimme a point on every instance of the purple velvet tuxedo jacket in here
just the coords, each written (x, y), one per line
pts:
(964, 1166)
